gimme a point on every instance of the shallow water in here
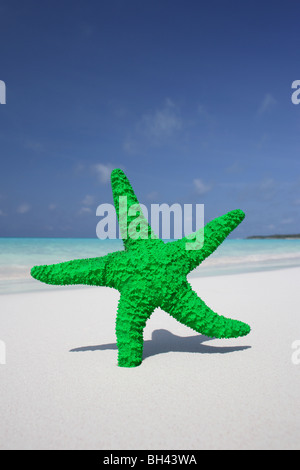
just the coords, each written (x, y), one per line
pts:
(19, 255)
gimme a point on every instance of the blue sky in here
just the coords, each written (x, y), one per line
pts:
(191, 98)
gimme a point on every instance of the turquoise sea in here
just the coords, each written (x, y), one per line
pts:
(18, 255)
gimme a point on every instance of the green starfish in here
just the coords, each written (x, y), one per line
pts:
(149, 274)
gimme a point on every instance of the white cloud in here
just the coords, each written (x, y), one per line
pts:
(267, 104)
(51, 207)
(23, 208)
(163, 122)
(267, 184)
(103, 171)
(154, 128)
(288, 220)
(130, 146)
(88, 200)
(79, 168)
(200, 186)
(84, 210)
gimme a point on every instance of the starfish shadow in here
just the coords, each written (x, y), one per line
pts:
(163, 341)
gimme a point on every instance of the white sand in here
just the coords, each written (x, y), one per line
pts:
(190, 392)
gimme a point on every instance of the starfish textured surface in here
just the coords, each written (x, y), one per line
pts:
(149, 274)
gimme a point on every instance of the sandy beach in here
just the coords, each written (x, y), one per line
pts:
(61, 387)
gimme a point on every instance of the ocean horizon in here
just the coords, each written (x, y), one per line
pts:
(19, 255)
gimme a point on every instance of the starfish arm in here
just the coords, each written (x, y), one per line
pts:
(124, 200)
(207, 239)
(192, 311)
(90, 271)
(133, 312)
